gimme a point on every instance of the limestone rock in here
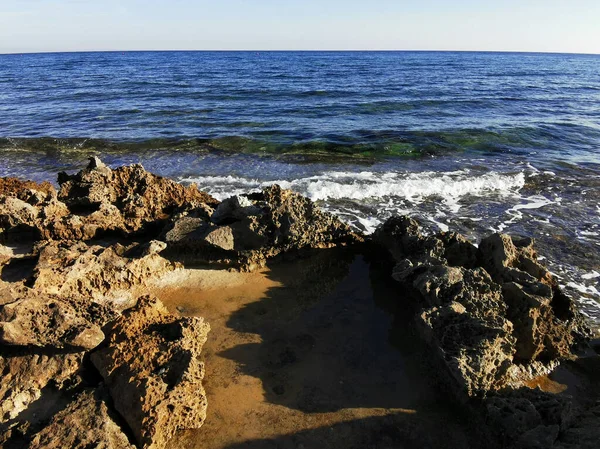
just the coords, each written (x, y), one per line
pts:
(140, 197)
(246, 230)
(467, 325)
(104, 275)
(28, 191)
(85, 423)
(26, 373)
(49, 321)
(95, 202)
(490, 313)
(150, 364)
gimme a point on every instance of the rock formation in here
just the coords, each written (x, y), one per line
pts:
(494, 319)
(246, 230)
(151, 365)
(75, 319)
(85, 422)
(75, 265)
(492, 313)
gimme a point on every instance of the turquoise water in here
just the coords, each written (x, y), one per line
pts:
(472, 142)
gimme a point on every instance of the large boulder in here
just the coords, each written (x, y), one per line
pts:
(151, 365)
(493, 314)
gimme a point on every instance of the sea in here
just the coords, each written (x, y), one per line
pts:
(468, 142)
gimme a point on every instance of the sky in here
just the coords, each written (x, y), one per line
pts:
(570, 26)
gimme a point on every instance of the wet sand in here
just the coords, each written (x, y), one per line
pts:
(311, 354)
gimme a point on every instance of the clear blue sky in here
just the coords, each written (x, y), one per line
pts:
(503, 25)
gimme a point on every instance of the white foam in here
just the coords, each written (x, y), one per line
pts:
(450, 187)
(590, 290)
(590, 275)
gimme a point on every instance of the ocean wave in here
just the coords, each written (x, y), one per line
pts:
(449, 187)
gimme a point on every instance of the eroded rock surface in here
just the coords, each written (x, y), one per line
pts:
(96, 201)
(151, 365)
(85, 423)
(49, 321)
(140, 197)
(489, 312)
(26, 373)
(246, 230)
(107, 275)
(494, 319)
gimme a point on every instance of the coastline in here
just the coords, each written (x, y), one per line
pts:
(296, 301)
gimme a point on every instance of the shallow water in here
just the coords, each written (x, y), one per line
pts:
(471, 142)
(312, 353)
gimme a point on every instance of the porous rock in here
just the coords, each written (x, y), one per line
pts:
(95, 202)
(140, 197)
(488, 311)
(104, 275)
(84, 423)
(25, 373)
(246, 230)
(49, 321)
(151, 367)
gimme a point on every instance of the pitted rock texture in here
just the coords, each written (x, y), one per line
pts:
(488, 311)
(95, 202)
(107, 276)
(140, 197)
(49, 321)
(25, 373)
(151, 365)
(246, 230)
(85, 423)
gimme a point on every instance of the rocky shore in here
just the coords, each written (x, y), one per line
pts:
(90, 359)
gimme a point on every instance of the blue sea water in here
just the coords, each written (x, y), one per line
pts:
(472, 142)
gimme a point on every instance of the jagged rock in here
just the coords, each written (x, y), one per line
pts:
(28, 191)
(150, 364)
(104, 275)
(246, 230)
(85, 423)
(508, 259)
(49, 321)
(466, 324)
(25, 373)
(489, 312)
(140, 197)
(94, 202)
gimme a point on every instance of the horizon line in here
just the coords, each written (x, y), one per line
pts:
(296, 51)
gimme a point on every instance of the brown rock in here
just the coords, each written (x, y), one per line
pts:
(141, 197)
(467, 326)
(26, 373)
(150, 364)
(246, 230)
(85, 423)
(490, 330)
(48, 321)
(104, 275)
(28, 191)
